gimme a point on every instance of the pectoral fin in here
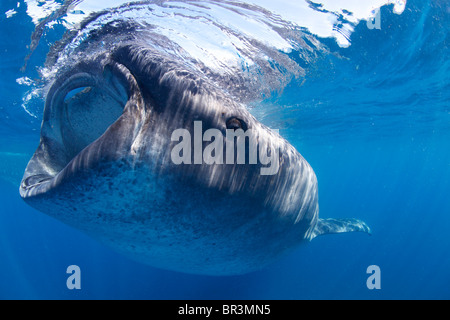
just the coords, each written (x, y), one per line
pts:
(333, 226)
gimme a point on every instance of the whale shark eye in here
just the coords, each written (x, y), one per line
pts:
(235, 124)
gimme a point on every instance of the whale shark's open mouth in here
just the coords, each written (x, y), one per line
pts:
(81, 106)
(88, 111)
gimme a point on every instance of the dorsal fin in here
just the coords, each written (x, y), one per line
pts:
(333, 226)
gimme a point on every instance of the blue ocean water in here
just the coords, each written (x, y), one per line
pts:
(372, 119)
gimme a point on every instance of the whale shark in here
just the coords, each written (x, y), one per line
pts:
(104, 164)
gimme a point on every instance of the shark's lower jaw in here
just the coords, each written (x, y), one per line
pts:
(166, 222)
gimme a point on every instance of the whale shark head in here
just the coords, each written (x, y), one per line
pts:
(110, 163)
